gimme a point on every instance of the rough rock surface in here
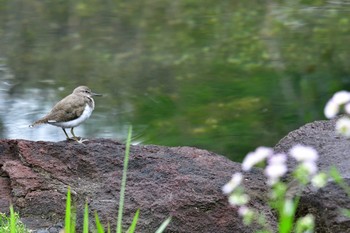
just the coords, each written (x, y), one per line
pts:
(181, 182)
(334, 150)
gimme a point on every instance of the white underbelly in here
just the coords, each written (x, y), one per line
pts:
(74, 123)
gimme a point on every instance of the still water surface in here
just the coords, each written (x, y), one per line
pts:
(225, 76)
(19, 110)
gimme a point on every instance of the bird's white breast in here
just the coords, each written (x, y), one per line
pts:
(74, 123)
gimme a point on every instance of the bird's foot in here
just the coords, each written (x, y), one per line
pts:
(79, 139)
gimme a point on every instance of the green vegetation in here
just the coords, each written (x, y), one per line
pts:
(334, 173)
(284, 197)
(284, 201)
(123, 184)
(11, 224)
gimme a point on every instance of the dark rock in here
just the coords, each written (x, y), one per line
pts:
(53, 229)
(181, 182)
(42, 231)
(334, 150)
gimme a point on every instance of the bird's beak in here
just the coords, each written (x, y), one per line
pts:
(95, 94)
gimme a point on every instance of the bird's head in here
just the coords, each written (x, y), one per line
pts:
(85, 91)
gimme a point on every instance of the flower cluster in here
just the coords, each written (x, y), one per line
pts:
(276, 167)
(276, 164)
(339, 101)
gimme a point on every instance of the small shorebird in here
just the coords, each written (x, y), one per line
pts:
(71, 111)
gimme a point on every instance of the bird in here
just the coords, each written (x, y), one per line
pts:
(71, 111)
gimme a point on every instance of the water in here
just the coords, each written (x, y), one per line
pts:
(224, 76)
(21, 106)
(20, 110)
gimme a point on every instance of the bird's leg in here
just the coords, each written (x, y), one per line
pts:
(66, 134)
(81, 140)
(72, 132)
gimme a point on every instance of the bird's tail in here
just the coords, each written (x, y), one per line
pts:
(38, 122)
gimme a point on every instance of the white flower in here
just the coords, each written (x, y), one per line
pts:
(238, 199)
(343, 126)
(252, 158)
(331, 109)
(333, 105)
(246, 213)
(319, 180)
(303, 153)
(274, 172)
(277, 159)
(235, 181)
(341, 97)
(306, 224)
(347, 108)
(276, 168)
(310, 167)
(243, 210)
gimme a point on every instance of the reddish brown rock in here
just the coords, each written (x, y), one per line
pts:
(22, 177)
(5, 193)
(181, 182)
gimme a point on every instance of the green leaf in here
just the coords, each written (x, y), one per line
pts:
(86, 219)
(334, 173)
(346, 212)
(12, 220)
(98, 224)
(287, 216)
(164, 225)
(67, 225)
(123, 184)
(134, 222)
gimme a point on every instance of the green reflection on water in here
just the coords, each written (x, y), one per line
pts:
(226, 76)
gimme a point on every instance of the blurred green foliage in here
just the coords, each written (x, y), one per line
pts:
(17, 227)
(226, 76)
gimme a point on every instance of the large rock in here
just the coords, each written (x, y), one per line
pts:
(181, 182)
(334, 150)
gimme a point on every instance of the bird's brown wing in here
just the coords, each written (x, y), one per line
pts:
(69, 108)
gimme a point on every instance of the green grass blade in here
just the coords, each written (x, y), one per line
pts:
(12, 220)
(108, 228)
(123, 184)
(134, 222)
(67, 221)
(334, 173)
(164, 225)
(287, 215)
(346, 212)
(99, 226)
(86, 219)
